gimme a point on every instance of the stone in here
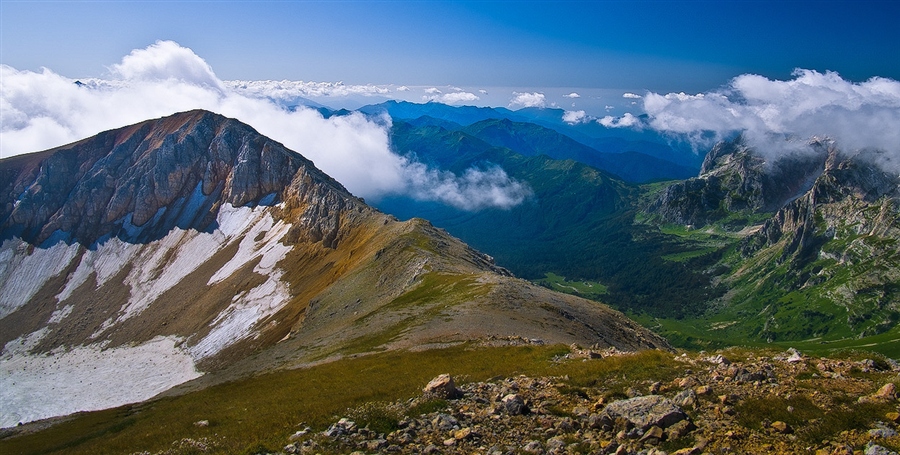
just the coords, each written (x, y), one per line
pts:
(513, 404)
(444, 387)
(201, 423)
(875, 449)
(781, 427)
(719, 360)
(685, 398)
(679, 429)
(794, 356)
(533, 447)
(444, 422)
(882, 431)
(886, 392)
(703, 390)
(342, 427)
(556, 443)
(653, 435)
(645, 412)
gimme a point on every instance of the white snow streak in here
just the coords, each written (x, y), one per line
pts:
(22, 273)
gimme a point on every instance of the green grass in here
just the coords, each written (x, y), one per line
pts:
(826, 423)
(435, 293)
(588, 289)
(686, 255)
(720, 332)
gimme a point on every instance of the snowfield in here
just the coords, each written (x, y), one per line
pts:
(87, 378)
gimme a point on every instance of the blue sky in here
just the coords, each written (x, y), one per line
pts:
(658, 45)
(689, 70)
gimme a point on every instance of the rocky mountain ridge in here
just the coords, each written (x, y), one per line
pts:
(735, 178)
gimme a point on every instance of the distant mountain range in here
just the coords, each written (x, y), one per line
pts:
(590, 134)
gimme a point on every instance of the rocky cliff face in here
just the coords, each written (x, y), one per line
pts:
(734, 178)
(154, 254)
(158, 175)
(851, 191)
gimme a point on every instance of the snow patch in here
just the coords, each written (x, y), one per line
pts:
(106, 260)
(269, 247)
(23, 273)
(237, 321)
(60, 314)
(88, 378)
(24, 343)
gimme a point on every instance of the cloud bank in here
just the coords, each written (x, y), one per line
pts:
(777, 115)
(41, 110)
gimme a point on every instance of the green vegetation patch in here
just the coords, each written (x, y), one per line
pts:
(584, 288)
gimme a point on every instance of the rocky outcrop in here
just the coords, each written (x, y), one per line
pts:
(851, 192)
(171, 172)
(736, 178)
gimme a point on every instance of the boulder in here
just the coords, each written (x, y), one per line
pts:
(443, 387)
(514, 405)
(645, 412)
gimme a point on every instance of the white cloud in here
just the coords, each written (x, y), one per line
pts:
(452, 98)
(402, 88)
(626, 121)
(433, 91)
(572, 95)
(526, 99)
(573, 117)
(812, 104)
(631, 95)
(166, 60)
(40, 110)
(483, 92)
(476, 189)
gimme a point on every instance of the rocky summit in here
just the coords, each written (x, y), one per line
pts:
(193, 249)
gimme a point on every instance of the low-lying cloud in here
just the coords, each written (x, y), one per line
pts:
(776, 116)
(476, 189)
(574, 117)
(626, 121)
(41, 110)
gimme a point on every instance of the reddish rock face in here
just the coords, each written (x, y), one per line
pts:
(174, 171)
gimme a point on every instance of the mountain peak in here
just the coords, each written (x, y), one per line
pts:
(154, 175)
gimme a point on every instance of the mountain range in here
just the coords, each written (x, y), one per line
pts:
(192, 248)
(182, 253)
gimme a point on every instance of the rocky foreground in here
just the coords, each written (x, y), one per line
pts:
(732, 402)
